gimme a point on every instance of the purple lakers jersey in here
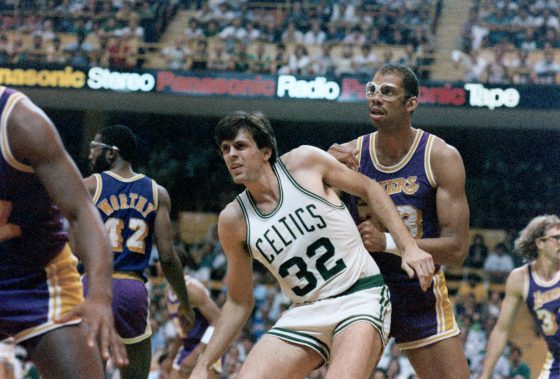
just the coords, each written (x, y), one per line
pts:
(543, 300)
(128, 208)
(31, 227)
(411, 186)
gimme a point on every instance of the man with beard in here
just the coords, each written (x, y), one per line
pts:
(135, 209)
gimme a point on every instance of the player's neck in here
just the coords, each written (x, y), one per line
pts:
(391, 145)
(123, 169)
(546, 269)
(265, 190)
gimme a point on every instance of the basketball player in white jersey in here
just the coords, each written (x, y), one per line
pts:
(291, 220)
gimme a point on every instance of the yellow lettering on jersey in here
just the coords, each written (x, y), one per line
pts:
(149, 208)
(7, 231)
(123, 199)
(114, 202)
(105, 207)
(398, 185)
(542, 298)
(133, 196)
(141, 203)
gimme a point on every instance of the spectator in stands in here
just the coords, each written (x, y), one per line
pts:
(498, 264)
(545, 70)
(132, 29)
(261, 62)
(477, 252)
(365, 62)
(322, 62)
(193, 30)
(272, 32)
(292, 34)
(241, 57)
(18, 52)
(298, 16)
(343, 64)
(473, 285)
(37, 52)
(281, 58)
(218, 59)
(315, 35)
(199, 57)
(175, 56)
(299, 62)
(4, 49)
(519, 369)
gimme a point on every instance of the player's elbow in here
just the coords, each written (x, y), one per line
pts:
(458, 254)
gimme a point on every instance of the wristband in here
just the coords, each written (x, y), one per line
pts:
(207, 335)
(391, 245)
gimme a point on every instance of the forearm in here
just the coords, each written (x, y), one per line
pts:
(444, 250)
(385, 212)
(494, 348)
(233, 317)
(93, 249)
(171, 267)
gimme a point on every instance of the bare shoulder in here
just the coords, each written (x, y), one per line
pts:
(231, 222)
(446, 162)
(163, 196)
(442, 151)
(304, 157)
(91, 183)
(516, 280)
(31, 133)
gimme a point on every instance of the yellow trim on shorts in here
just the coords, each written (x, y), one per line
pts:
(147, 333)
(127, 275)
(65, 289)
(446, 325)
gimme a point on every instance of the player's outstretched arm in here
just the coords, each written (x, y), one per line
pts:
(336, 175)
(239, 281)
(34, 140)
(508, 312)
(170, 263)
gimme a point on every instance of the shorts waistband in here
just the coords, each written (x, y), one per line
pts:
(363, 284)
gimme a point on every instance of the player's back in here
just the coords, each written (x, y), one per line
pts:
(31, 229)
(128, 208)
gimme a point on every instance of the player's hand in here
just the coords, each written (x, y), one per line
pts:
(345, 155)
(97, 316)
(186, 318)
(200, 372)
(417, 261)
(372, 236)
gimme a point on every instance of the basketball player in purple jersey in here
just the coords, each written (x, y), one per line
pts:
(40, 290)
(425, 178)
(134, 209)
(537, 284)
(207, 313)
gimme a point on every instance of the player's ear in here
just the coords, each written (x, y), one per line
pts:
(267, 153)
(111, 155)
(411, 103)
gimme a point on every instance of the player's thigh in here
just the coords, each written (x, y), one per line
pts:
(274, 358)
(444, 359)
(139, 359)
(355, 351)
(63, 353)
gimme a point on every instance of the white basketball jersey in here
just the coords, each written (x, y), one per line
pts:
(310, 245)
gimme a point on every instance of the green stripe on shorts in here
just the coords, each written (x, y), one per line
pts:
(302, 339)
